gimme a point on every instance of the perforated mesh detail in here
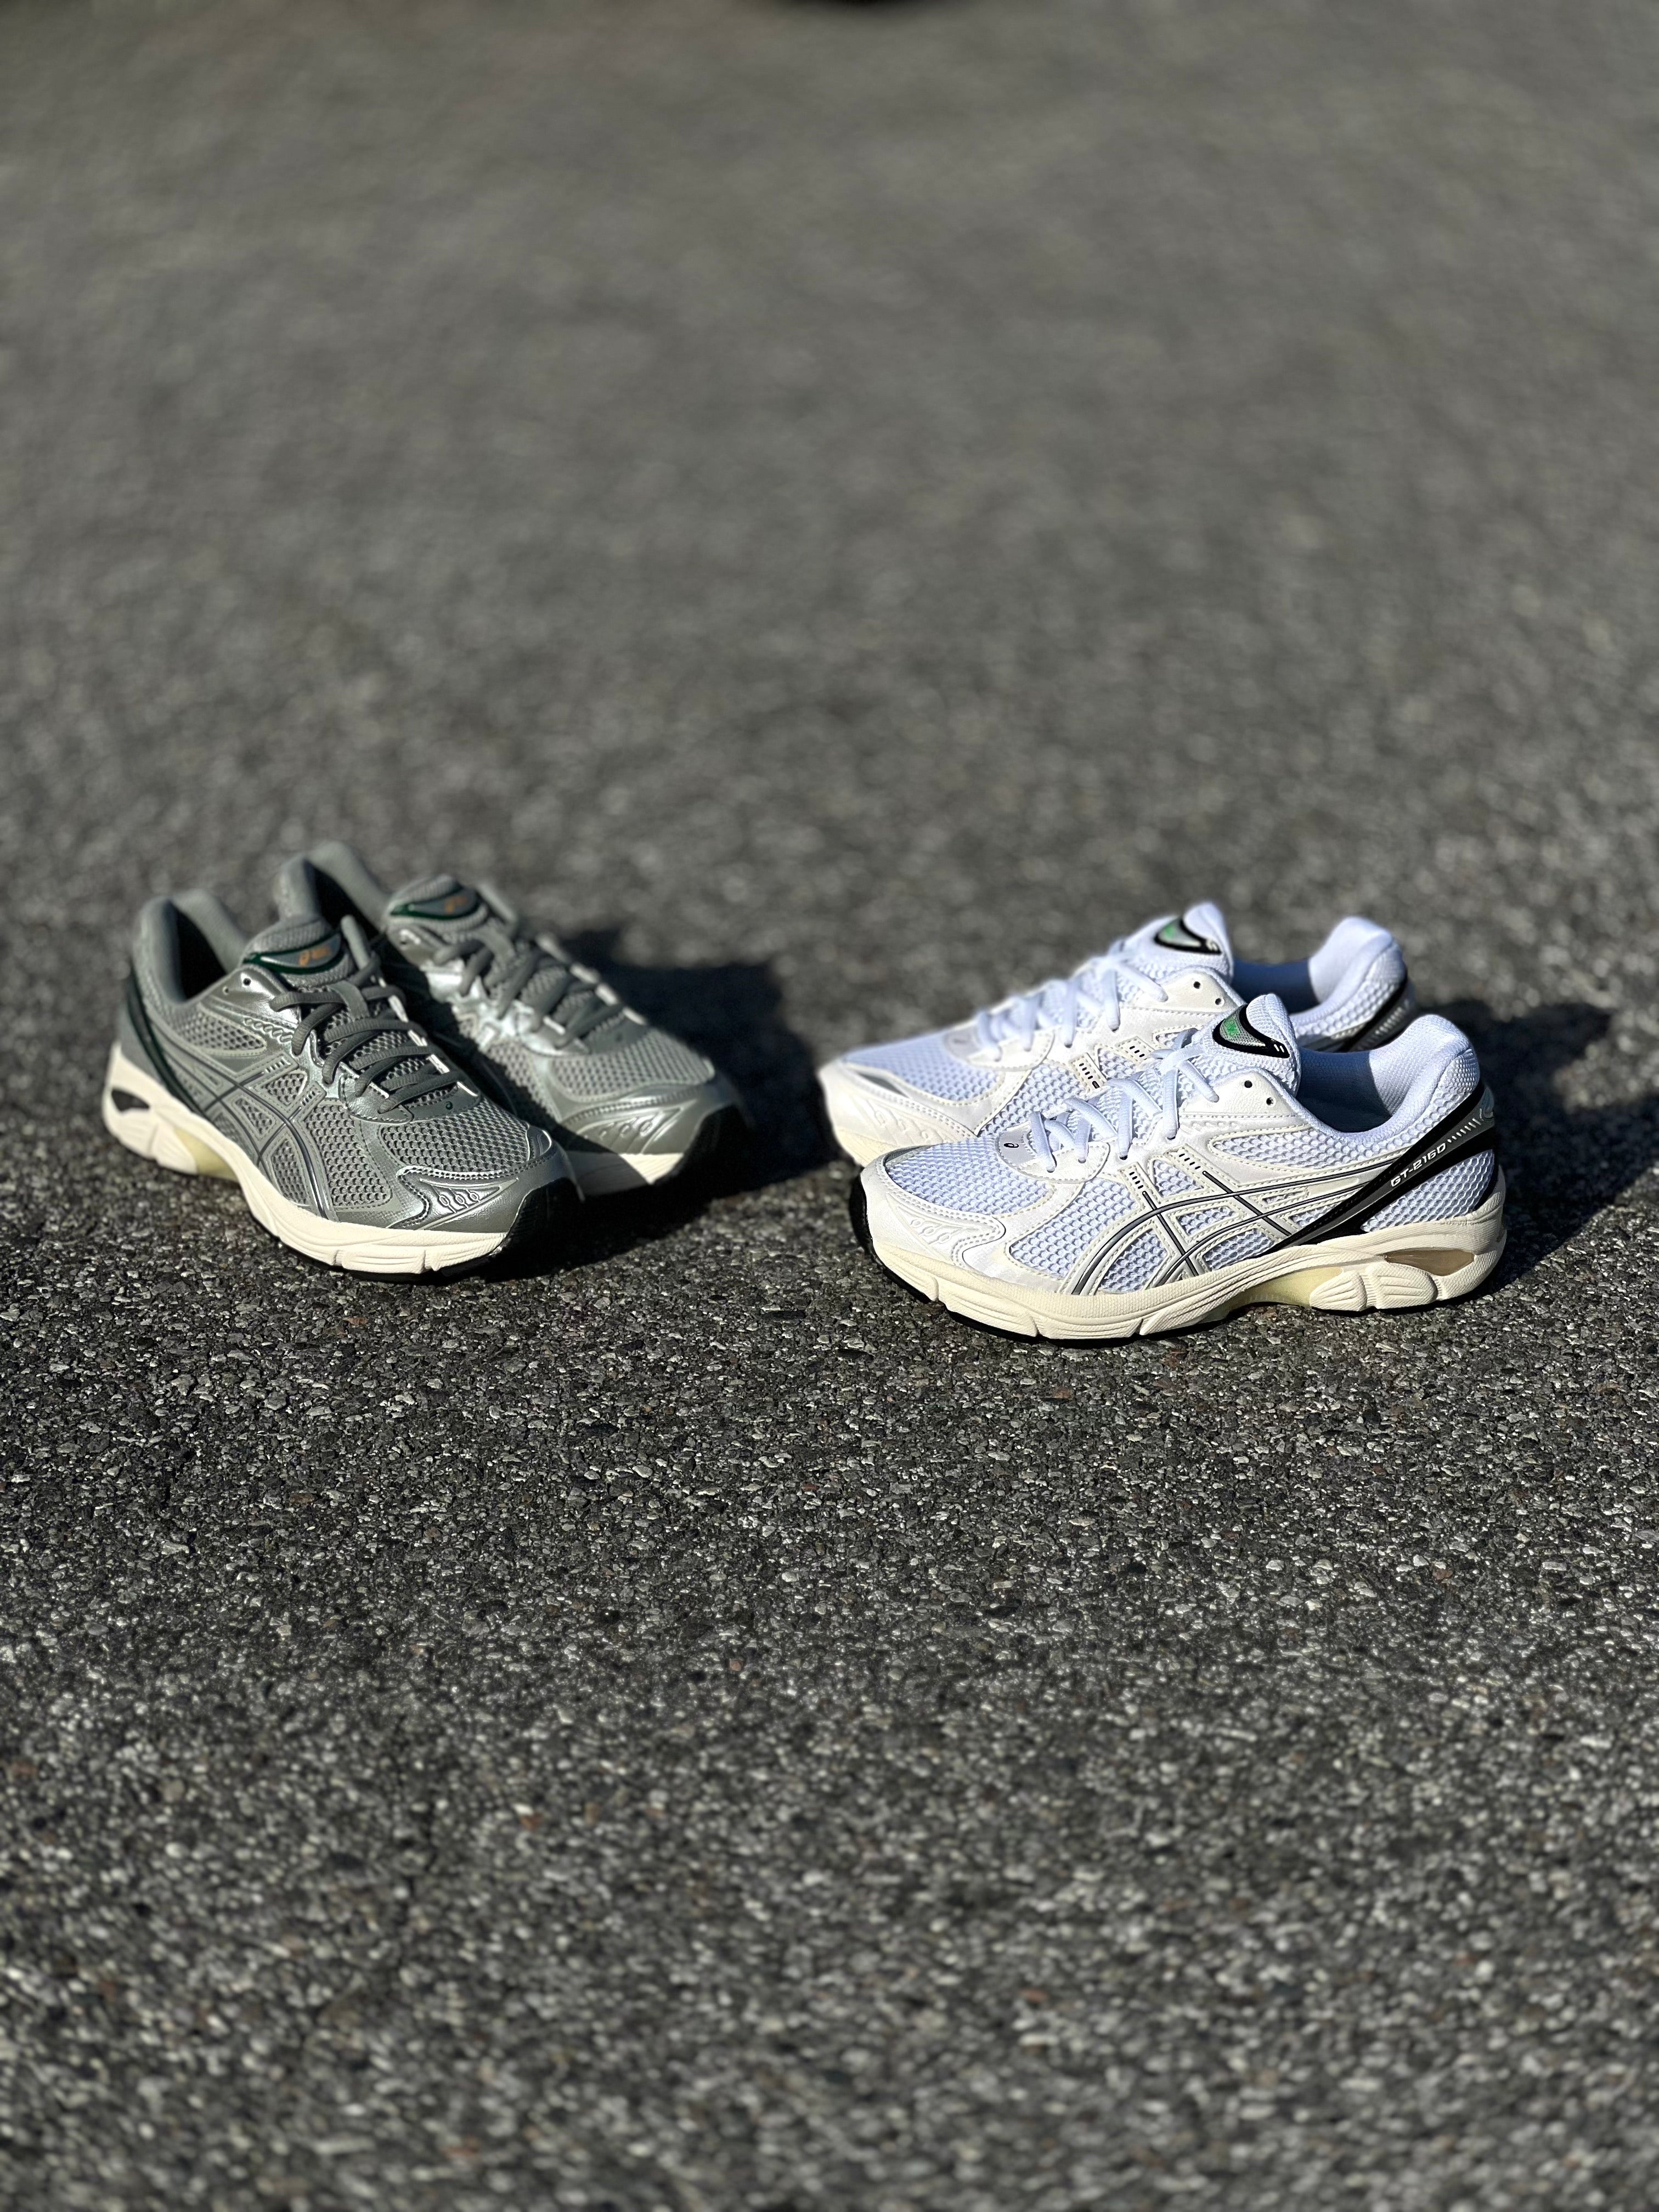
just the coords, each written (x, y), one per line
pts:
(923, 1061)
(481, 1141)
(285, 1087)
(1244, 1246)
(1059, 1244)
(353, 1181)
(1043, 1088)
(285, 1173)
(1137, 1263)
(209, 1031)
(1293, 1148)
(655, 1057)
(967, 1178)
(1197, 1219)
(1346, 1018)
(1169, 1181)
(1457, 1189)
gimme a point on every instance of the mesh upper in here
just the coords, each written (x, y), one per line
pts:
(1244, 1245)
(353, 1180)
(967, 1178)
(285, 1172)
(653, 1057)
(1043, 1088)
(1346, 1017)
(211, 1031)
(1197, 1219)
(1137, 1264)
(923, 1061)
(1292, 1148)
(1169, 1181)
(1059, 1244)
(1457, 1189)
(481, 1141)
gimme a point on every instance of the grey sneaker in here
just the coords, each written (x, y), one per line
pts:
(287, 1063)
(629, 1103)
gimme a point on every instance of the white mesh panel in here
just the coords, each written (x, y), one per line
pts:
(1137, 1263)
(1457, 1189)
(967, 1178)
(1295, 1148)
(1244, 1246)
(1170, 1181)
(1059, 1244)
(1043, 1088)
(923, 1061)
(1196, 1219)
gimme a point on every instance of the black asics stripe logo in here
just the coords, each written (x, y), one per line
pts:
(1178, 937)
(1240, 1034)
(1468, 1129)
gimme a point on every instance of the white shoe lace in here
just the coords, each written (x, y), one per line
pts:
(1111, 1115)
(1086, 994)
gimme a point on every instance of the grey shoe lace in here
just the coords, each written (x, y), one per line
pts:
(348, 1018)
(511, 966)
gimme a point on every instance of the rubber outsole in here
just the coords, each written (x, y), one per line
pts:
(1417, 1264)
(145, 1118)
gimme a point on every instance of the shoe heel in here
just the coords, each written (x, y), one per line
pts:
(135, 1117)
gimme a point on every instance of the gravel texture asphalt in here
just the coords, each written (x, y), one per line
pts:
(844, 509)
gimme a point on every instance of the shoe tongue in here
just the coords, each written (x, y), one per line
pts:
(443, 904)
(304, 947)
(1197, 938)
(1259, 1036)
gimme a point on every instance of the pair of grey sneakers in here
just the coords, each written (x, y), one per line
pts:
(400, 1081)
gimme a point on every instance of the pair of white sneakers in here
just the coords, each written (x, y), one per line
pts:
(1171, 1132)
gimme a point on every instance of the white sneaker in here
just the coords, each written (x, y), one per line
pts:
(1105, 1021)
(1235, 1169)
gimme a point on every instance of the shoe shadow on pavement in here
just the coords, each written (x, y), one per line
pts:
(732, 1012)
(1564, 1163)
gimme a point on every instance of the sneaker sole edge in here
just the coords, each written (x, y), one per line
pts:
(156, 1126)
(1414, 1264)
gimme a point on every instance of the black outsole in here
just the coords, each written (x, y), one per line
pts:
(548, 1211)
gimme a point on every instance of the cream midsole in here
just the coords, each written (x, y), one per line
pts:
(166, 1131)
(1415, 1264)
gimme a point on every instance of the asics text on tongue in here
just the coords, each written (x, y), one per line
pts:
(1108, 1020)
(1235, 1169)
(544, 1034)
(288, 1063)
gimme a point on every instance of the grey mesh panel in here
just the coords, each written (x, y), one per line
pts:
(287, 1086)
(654, 1058)
(284, 1170)
(481, 1141)
(353, 1180)
(211, 1031)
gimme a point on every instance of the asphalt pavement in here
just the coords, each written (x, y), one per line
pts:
(842, 510)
